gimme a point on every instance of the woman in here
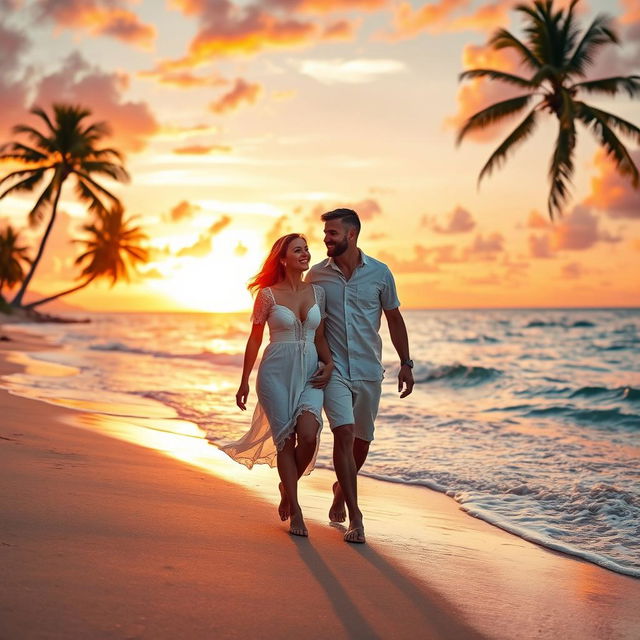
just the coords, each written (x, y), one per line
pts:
(287, 420)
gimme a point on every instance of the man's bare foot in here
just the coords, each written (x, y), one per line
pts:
(297, 527)
(355, 533)
(283, 508)
(337, 512)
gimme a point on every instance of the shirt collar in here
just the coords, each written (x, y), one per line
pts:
(364, 259)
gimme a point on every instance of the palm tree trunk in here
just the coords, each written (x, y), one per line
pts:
(82, 285)
(17, 301)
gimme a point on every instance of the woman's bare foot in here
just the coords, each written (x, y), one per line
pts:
(297, 527)
(283, 508)
(337, 512)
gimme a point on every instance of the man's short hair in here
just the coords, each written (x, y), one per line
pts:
(348, 216)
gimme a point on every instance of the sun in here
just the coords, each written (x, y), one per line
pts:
(218, 281)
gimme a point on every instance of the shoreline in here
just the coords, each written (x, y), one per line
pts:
(504, 586)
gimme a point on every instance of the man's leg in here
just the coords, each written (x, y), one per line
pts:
(366, 400)
(347, 474)
(338, 512)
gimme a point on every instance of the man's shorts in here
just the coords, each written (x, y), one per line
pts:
(353, 402)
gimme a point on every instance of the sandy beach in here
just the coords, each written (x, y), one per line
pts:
(104, 538)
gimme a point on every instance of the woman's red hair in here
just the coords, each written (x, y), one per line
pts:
(272, 270)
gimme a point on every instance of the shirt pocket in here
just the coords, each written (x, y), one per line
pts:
(368, 296)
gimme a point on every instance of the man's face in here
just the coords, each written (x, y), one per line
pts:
(335, 238)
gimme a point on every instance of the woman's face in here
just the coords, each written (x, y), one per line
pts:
(297, 256)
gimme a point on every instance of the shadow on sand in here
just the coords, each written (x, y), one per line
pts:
(432, 616)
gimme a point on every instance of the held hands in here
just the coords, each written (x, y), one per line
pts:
(322, 375)
(405, 380)
(241, 396)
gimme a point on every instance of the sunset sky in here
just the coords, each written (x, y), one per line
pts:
(245, 120)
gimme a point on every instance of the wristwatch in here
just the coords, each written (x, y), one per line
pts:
(408, 362)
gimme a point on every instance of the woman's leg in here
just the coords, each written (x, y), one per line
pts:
(307, 437)
(288, 472)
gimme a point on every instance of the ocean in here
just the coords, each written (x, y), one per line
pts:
(529, 419)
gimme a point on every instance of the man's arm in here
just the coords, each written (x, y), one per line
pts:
(400, 339)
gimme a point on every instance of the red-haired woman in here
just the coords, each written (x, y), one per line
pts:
(287, 419)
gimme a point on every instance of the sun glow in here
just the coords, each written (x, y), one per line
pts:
(218, 281)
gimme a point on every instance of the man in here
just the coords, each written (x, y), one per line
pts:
(358, 289)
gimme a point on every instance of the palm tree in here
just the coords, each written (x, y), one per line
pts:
(558, 57)
(12, 258)
(67, 148)
(112, 247)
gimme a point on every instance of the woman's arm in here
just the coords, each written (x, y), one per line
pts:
(250, 355)
(321, 377)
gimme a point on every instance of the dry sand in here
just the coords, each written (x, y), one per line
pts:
(101, 538)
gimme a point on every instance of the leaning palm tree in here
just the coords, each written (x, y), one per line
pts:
(110, 250)
(13, 259)
(68, 147)
(558, 56)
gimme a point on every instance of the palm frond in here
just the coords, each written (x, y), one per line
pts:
(493, 74)
(503, 39)
(561, 169)
(26, 184)
(625, 127)
(516, 137)
(493, 114)
(17, 174)
(37, 212)
(86, 193)
(115, 171)
(598, 34)
(22, 152)
(107, 154)
(33, 134)
(612, 85)
(42, 114)
(87, 178)
(598, 121)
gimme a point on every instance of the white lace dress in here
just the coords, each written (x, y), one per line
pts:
(282, 386)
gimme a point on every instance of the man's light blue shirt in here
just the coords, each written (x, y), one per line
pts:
(354, 308)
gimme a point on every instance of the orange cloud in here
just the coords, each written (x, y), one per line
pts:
(164, 75)
(228, 29)
(579, 230)
(457, 221)
(328, 6)
(479, 93)
(440, 17)
(344, 30)
(612, 192)
(418, 264)
(99, 18)
(201, 150)
(242, 92)
(572, 271)
(78, 82)
(631, 13)
(537, 221)
(485, 247)
(183, 210)
(203, 245)
(409, 22)
(540, 246)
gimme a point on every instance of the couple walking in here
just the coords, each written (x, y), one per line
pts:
(324, 350)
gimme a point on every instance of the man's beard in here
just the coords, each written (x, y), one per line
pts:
(338, 248)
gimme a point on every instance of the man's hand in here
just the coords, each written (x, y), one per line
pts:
(241, 396)
(322, 375)
(405, 380)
